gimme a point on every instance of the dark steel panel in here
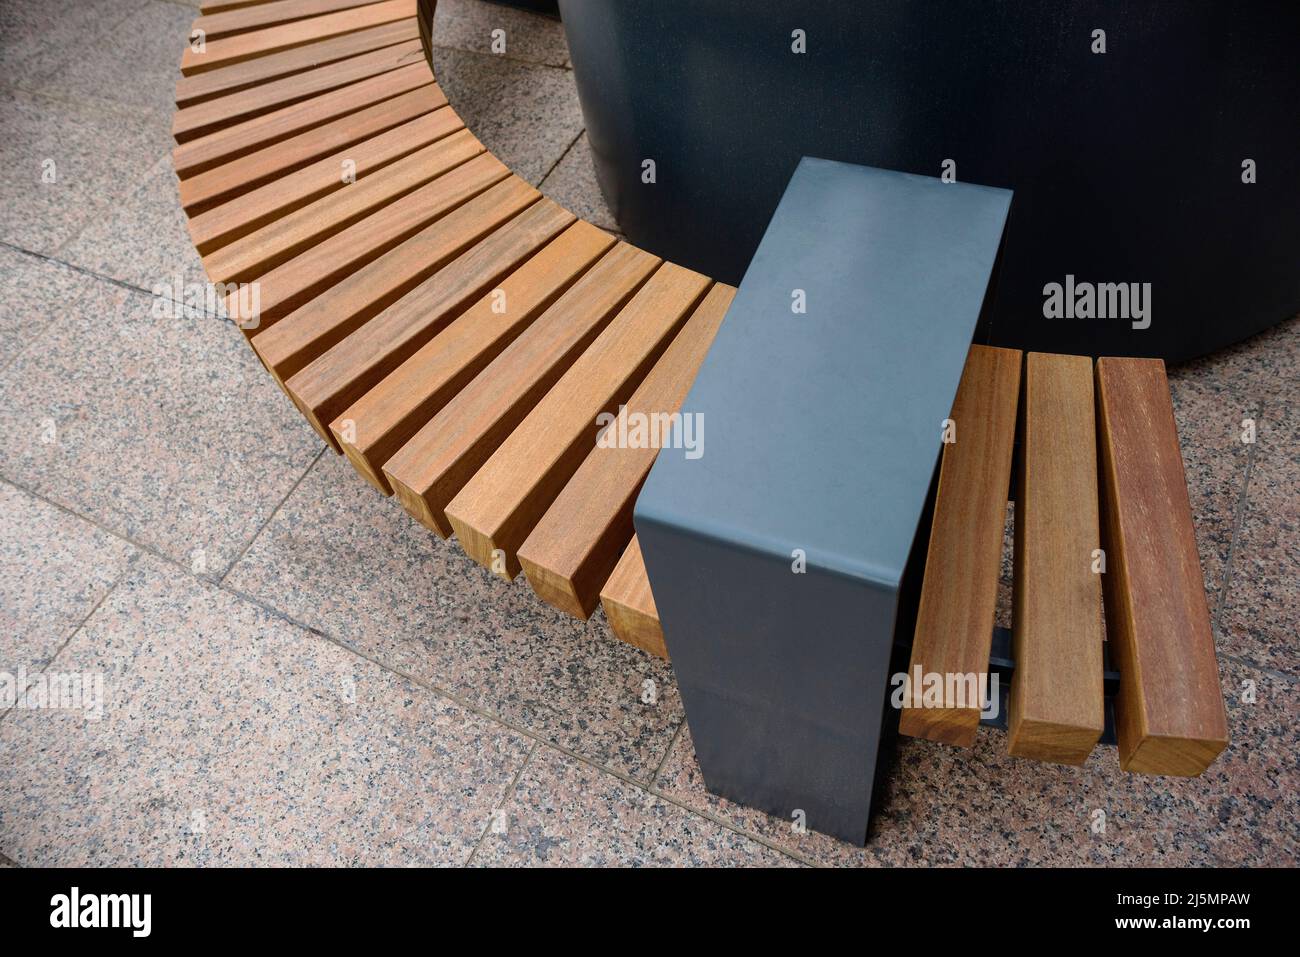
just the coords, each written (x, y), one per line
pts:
(821, 433)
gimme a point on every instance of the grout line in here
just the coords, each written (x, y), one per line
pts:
(501, 804)
(560, 158)
(1256, 666)
(9, 860)
(270, 518)
(458, 700)
(562, 67)
(672, 743)
(131, 287)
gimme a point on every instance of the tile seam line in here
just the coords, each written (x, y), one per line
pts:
(271, 517)
(438, 690)
(121, 283)
(76, 629)
(502, 802)
(497, 56)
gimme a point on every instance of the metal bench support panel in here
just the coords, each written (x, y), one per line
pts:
(822, 431)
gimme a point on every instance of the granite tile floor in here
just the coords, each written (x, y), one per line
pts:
(295, 673)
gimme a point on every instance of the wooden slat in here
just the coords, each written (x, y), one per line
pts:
(1169, 716)
(383, 419)
(281, 240)
(411, 239)
(293, 284)
(342, 374)
(246, 46)
(954, 623)
(629, 605)
(434, 465)
(244, 19)
(242, 76)
(573, 549)
(497, 508)
(222, 112)
(216, 6)
(206, 152)
(263, 204)
(1056, 707)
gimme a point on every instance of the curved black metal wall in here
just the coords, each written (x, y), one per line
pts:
(1127, 164)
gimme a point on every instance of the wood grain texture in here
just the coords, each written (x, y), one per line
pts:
(1056, 705)
(1169, 714)
(378, 423)
(286, 237)
(207, 152)
(428, 471)
(342, 374)
(246, 46)
(264, 204)
(262, 15)
(629, 605)
(225, 111)
(954, 624)
(191, 90)
(573, 549)
(352, 265)
(497, 508)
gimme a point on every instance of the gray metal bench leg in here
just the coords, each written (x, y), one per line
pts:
(779, 556)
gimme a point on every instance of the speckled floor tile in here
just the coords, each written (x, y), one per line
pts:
(36, 35)
(1210, 428)
(1265, 366)
(572, 184)
(949, 806)
(54, 568)
(34, 292)
(65, 163)
(143, 241)
(230, 737)
(1261, 608)
(469, 25)
(165, 430)
(132, 64)
(342, 558)
(527, 115)
(563, 813)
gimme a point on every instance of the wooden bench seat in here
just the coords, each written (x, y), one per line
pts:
(457, 335)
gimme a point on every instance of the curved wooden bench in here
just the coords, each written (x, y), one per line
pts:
(456, 335)
(432, 315)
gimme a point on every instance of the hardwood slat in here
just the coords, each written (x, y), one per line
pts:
(1056, 706)
(1169, 715)
(497, 508)
(573, 549)
(629, 605)
(264, 204)
(954, 622)
(216, 6)
(281, 240)
(381, 421)
(338, 377)
(332, 292)
(434, 465)
(223, 112)
(243, 19)
(246, 46)
(206, 152)
(201, 87)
